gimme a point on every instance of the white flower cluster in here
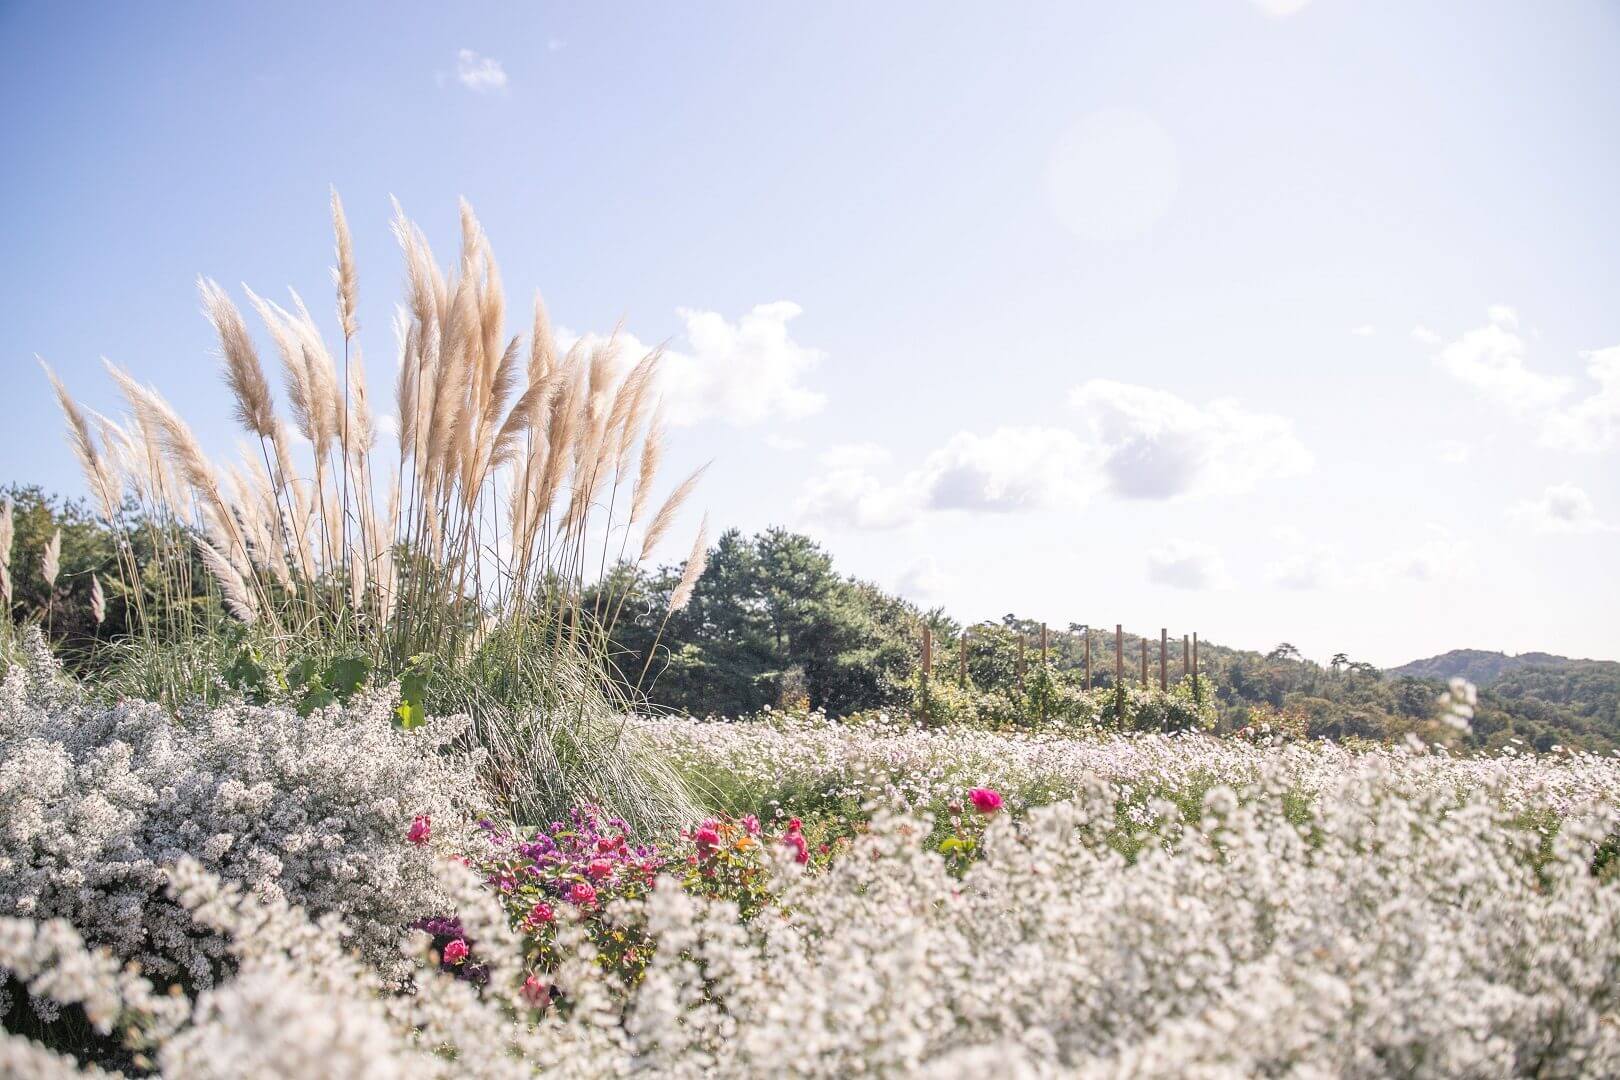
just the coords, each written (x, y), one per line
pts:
(1398, 928)
(791, 759)
(99, 800)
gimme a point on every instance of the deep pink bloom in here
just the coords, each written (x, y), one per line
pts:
(536, 993)
(794, 839)
(985, 800)
(421, 829)
(455, 952)
(609, 843)
(707, 838)
(581, 893)
(542, 913)
(599, 869)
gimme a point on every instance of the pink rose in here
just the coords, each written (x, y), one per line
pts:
(421, 829)
(707, 838)
(542, 913)
(599, 869)
(985, 800)
(581, 893)
(455, 952)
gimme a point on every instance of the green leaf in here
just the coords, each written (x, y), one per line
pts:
(302, 672)
(413, 682)
(347, 674)
(317, 697)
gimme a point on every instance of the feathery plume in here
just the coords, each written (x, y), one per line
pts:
(238, 600)
(8, 529)
(652, 448)
(243, 372)
(695, 564)
(50, 564)
(98, 600)
(96, 473)
(343, 275)
(666, 513)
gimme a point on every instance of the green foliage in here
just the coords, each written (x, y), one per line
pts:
(769, 621)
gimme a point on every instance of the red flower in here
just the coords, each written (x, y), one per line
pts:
(542, 913)
(985, 800)
(581, 893)
(707, 838)
(421, 829)
(455, 952)
(599, 869)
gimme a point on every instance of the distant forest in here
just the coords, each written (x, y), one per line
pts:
(773, 623)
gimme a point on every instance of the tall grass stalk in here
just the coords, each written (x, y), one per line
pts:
(516, 477)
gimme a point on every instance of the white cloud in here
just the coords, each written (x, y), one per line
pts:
(1593, 422)
(1440, 558)
(742, 373)
(1187, 564)
(1455, 452)
(480, 74)
(783, 442)
(923, 580)
(1112, 176)
(1133, 442)
(1155, 445)
(855, 455)
(1012, 468)
(1306, 570)
(854, 497)
(1491, 360)
(1426, 336)
(1364, 330)
(1562, 508)
(1309, 567)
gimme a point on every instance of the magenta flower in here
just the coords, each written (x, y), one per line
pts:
(542, 913)
(599, 869)
(536, 993)
(707, 838)
(455, 952)
(794, 839)
(581, 893)
(421, 829)
(985, 800)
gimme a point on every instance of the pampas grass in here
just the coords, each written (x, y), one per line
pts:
(511, 486)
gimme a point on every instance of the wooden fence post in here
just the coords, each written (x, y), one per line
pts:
(1045, 680)
(1119, 655)
(1088, 657)
(1196, 698)
(1144, 662)
(1164, 671)
(1186, 656)
(927, 667)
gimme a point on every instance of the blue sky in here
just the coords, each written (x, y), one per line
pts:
(1271, 321)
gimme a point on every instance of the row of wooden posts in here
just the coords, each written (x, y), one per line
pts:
(1189, 659)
